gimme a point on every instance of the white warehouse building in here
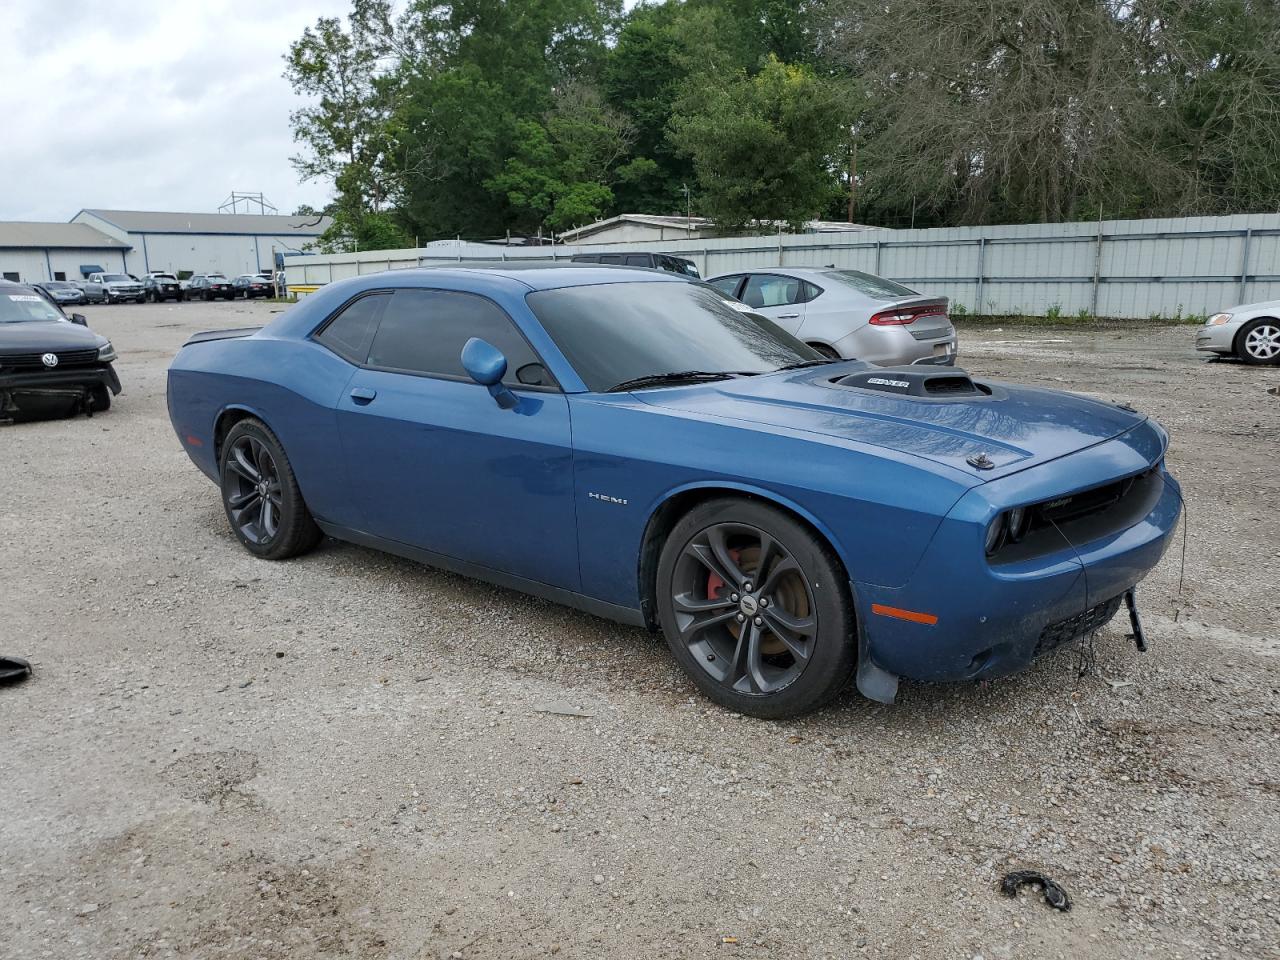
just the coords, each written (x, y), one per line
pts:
(31, 252)
(229, 243)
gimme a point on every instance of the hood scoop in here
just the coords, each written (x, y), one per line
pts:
(923, 384)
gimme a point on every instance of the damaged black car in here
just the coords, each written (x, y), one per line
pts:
(50, 363)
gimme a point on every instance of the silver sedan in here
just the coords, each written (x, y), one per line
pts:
(849, 314)
(1250, 332)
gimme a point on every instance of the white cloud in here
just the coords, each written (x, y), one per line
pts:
(149, 104)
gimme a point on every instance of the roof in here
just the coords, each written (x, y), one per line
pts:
(694, 224)
(537, 275)
(18, 233)
(259, 224)
(645, 219)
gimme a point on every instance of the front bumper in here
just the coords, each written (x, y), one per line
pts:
(57, 381)
(123, 294)
(993, 620)
(1219, 339)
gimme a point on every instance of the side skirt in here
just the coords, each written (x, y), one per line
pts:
(598, 608)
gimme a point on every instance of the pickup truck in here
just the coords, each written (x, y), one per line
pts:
(114, 287)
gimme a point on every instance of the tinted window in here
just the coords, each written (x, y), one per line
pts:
(871, 285)
(770, 290)
(424, 331)
(614, 258)
(728, 284)
(114, 278)
(619, 331)
(348, 334)
(639, 260)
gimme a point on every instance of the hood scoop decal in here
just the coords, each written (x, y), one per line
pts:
(915, 382)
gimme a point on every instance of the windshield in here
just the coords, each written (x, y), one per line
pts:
(59, 285)
(26, 307)
(870, 284)
(616, 332)
(115, 278)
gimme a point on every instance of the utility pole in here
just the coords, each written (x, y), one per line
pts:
(688, 209)
(853, 180)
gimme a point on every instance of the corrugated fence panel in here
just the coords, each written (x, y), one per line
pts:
(1141, 268)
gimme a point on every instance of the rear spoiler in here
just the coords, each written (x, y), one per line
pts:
(222, 335)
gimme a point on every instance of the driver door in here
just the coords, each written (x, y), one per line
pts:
(434, 462)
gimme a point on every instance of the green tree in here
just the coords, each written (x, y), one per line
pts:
(344, 129)
(766, 147)
(561, 169)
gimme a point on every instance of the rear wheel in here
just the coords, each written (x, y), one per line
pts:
(755, 609)
(1258, 341)
(260, 494)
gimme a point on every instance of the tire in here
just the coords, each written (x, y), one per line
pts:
(1258, 342)
(141, 300)
(101, 397)
(826, 351)
(710, 557)
(286, 528)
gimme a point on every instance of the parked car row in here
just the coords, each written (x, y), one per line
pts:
(157, 287)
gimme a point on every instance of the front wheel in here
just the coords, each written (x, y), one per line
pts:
(756, 609)
(260, 494)
(1258, 342)
(100, 396)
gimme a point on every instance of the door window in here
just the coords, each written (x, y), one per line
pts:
(424, 331)
(639, 260)
(727, 284)
(771, 290)
(348, 334)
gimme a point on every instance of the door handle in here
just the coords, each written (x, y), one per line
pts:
(787, 316)
(363, 395)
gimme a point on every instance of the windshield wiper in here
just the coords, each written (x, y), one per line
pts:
(680, 376)
(807, 363)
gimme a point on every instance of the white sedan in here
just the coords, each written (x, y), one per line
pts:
(1250, 332)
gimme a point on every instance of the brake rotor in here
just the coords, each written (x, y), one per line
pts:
(789, 592)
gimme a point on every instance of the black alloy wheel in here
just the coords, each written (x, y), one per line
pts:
(755, 608)
(260, 494)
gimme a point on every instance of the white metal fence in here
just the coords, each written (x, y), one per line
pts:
(1114, 268)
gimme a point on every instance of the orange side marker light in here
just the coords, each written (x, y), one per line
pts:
(898, 614)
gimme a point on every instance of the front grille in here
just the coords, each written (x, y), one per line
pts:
(1083, 517)
(1081, 625)
(26, 362)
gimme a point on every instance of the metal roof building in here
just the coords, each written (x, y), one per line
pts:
(643, 227)
(34, 251)
(230, 243)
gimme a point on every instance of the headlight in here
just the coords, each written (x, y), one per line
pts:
(106, 352)
(1018, 519)
(1218, 319)
(995, 534)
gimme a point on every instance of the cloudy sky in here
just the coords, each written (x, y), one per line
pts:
(148, 104)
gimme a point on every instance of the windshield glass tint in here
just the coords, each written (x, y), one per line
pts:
(24, 306)
(872, 286)
(619, 331)
(115, 278)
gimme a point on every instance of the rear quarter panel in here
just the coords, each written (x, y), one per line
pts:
(292, 386)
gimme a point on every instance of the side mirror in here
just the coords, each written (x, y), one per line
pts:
(486, 365)
(79, 318)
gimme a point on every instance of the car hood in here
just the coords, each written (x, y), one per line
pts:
(1014, 427)
(53, 335)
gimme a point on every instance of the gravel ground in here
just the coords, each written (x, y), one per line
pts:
(347, 755)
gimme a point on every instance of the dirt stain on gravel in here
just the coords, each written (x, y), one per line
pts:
(214, 777)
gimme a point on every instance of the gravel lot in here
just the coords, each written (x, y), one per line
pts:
(345, 755)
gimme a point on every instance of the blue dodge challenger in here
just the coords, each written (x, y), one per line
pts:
(630, 443)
